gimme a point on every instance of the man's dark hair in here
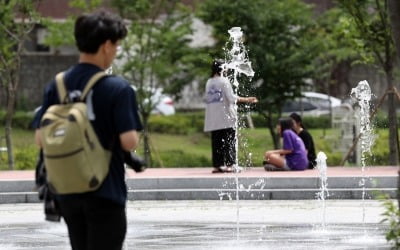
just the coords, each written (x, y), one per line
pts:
(285, 123)
(297, 118)
(216, 67)
(92, 30)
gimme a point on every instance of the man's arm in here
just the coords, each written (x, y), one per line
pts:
(129, 140)
(38, 140)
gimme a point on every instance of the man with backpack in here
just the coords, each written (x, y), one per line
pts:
(91, 198)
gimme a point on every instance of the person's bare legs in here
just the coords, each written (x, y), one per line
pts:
(275, 159)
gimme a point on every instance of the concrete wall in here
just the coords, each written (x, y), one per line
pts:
(36, 71)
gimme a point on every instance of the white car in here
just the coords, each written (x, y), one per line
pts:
(163, 104)
(312, 104)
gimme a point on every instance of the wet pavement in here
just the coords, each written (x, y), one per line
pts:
(195, 225)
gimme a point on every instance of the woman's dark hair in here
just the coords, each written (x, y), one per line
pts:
(92, 30)
(297, 118)
(285, 123)
(216, 67)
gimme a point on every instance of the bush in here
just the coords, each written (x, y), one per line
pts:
(168, 125)
(26, 157)
(381, 121)
(178, 158)
(316, 122)
(181, 124)
(391, 217)
(334, 159)
(310, 122)
(259, 121)
(21, 119)
(185, 123)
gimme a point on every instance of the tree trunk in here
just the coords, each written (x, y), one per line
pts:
(272, 130)
(394, 13)
(392, 119)
(8, 125)
(146, 140)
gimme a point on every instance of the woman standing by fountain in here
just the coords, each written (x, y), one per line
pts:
(293, 155)
(221, 118)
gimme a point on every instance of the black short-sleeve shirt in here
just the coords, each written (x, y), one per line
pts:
(309, 144)
(115, 112)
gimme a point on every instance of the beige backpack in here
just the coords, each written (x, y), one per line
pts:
(75, 160)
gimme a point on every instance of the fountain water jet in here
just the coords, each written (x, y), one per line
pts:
(236, 63)
(361, 96)
(322, 168)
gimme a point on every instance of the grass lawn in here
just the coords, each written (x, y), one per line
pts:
(194, 150)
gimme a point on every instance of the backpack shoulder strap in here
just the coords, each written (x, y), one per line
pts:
(92, 81)
(62, 91)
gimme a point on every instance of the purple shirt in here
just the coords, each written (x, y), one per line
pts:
(297, 160)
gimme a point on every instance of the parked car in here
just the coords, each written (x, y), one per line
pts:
(312, 104)
(164, 104)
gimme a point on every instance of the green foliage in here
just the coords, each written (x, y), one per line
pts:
(372, 28)
(59, 33)
(333, 158)
(62, 33)
(372, 21)
(26, 157)
(21, 119)
(275, 33)
(317, 122)
(177, 124)
(340, 47)
(84, 4)
(171, 125)
(380, 150)
(278, 35)
(392, 216)
(193, 149)
(13, 36)
(185, 123)
(24, 148)
(259, 121)
(381, 121)
(156, 54)
(310, 122)
(180, 158)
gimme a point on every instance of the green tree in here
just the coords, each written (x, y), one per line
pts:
(394, 12)
(62, 33)
(17, 19)
(156, 54)
(278, 34)
(339, 49)
(373, 25)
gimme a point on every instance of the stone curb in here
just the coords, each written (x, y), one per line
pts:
(250, 188)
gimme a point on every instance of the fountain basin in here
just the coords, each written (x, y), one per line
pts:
(213, 225)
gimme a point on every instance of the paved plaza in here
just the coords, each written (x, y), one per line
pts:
(215, 225)
(191, 208)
